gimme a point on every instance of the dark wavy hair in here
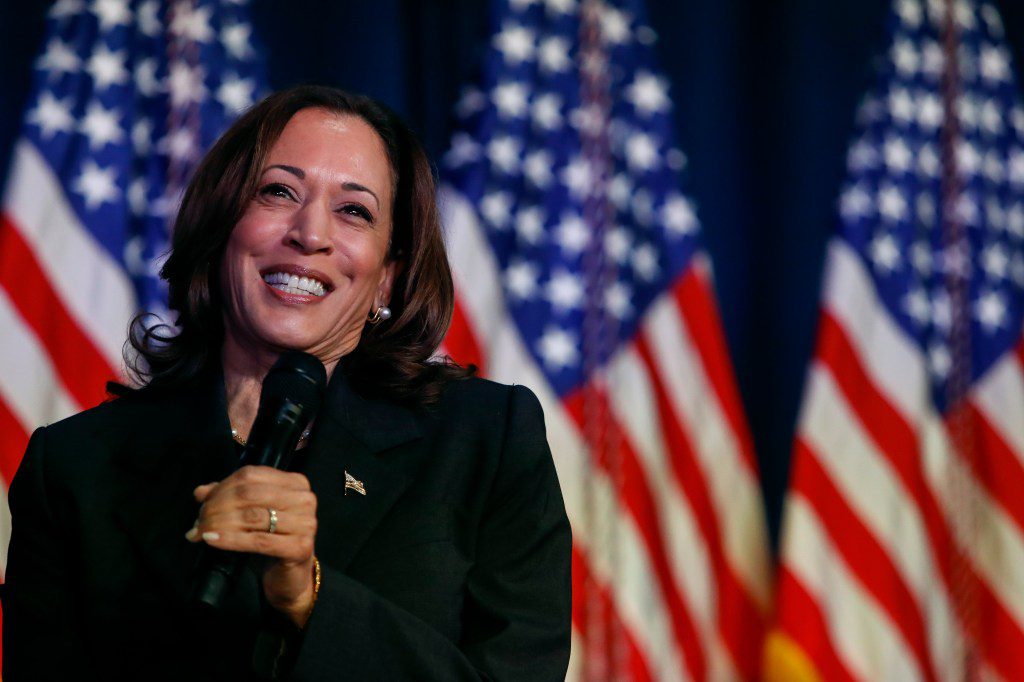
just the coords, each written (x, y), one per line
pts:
(393, 358)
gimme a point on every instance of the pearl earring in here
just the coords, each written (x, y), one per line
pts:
(381, 314)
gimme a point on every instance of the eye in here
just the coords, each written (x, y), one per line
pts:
(358, 211)
(276, 189)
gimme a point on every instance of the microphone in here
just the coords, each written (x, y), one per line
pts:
(292, 393)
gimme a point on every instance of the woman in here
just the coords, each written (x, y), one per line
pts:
(422, 533)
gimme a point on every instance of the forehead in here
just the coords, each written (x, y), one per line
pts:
(325, 142)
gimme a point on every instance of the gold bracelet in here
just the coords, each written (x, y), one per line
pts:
(316, 587)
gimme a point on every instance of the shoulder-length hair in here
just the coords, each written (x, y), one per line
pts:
(393, 358)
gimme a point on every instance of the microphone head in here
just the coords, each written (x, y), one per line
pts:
(298, 377)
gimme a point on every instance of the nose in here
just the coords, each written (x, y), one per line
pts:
(310, 229)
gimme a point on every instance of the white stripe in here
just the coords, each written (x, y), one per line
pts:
(28, 384)
(5, 530)
(890, 358)
(1000, 397)
(635, 407)
(876, 495)
(92, 285)
(606, 533)
(864, 637)
(979, 524)
(733, 489)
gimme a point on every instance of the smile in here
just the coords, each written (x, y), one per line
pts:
(293, 284)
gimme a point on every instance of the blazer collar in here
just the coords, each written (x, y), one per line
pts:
(377, 443)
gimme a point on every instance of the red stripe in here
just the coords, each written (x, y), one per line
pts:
(740, 622)
(996, 465)
(698, 308)
(801, 618)
(82, 369)
(461, 342)
(985, 619)
(866, 558)
(13, 441)
(611, 653)
(628, 477)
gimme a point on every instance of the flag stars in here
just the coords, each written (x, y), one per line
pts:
(546, 112)
(464, 149)
(905, 57)
(235, 39)
(897, 154)
(511, 99)
(142, 136)
(1015, 167)
(564, 291)
(678, 216)
(917, 306)
(470, 102)
(147, 18)
(641, 152)
(994, 168)
(496, 207)
(995, 261)
(180, 145)
(939, 361)
(618, 300)
(578, 177)
(145, 78)
(553, 55)
(930, 113)
(644, 260)
(614, 25)
(928, 163)
(617, 244)
(560, 7)
(855, 203)
(901, 106)
(572, 235)
(59, 59)
(51, 115)
(933, 59)
(990, 311)
(521, 280)
(97, 185)
(503, 151)
(515, 43)
(529, 224)
(862, 156)
(994, 64)
(192, 23)
(991, 118)
(101, 126)
(111, 13)
(648, 94)
(107, 67)
(942, 311)
(909, 12)
(892, 205)
(537, 168)
(885, 253)
(236, 94)
(1015, 221)
(921, 258)
(185, 84)
(968, 159)
(558, 349)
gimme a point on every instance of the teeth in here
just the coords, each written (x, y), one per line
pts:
(293, 284)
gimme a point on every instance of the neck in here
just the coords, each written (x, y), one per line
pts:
(244, 370)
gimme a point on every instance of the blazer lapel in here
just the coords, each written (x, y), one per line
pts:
(183, 441)
(377, 443)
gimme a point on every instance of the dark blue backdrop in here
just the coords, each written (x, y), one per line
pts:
(764, 95)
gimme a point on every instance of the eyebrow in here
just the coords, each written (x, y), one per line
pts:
(351, 186)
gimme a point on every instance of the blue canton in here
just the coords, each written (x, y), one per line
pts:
(891, 209)
(522, 159)
(127, 97)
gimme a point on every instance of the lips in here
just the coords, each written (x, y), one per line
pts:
(295, 280)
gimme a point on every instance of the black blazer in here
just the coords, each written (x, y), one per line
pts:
(454, 565)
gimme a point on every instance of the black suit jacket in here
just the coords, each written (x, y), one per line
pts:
(454, 565)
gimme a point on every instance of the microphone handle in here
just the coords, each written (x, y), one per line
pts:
(272, 442)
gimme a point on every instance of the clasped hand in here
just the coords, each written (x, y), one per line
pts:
(235, 516)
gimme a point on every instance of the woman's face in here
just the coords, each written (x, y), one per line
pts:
(308, 259)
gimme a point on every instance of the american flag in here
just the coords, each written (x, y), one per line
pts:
(903, 538)
(126, 97)
(579, 273)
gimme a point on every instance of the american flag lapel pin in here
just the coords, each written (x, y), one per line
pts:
(353, 483)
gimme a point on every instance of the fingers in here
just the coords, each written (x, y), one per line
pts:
(255, 475)
(290, 521)
(291, 548)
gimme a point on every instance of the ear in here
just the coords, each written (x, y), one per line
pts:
(389, 273)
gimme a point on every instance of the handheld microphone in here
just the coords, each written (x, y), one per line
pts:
(292, 393)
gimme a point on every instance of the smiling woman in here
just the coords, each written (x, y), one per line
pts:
(311, 225)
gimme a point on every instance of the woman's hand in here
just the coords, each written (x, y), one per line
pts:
(235, 515)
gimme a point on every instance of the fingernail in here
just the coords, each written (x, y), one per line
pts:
(192, 534)
(211, 536)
